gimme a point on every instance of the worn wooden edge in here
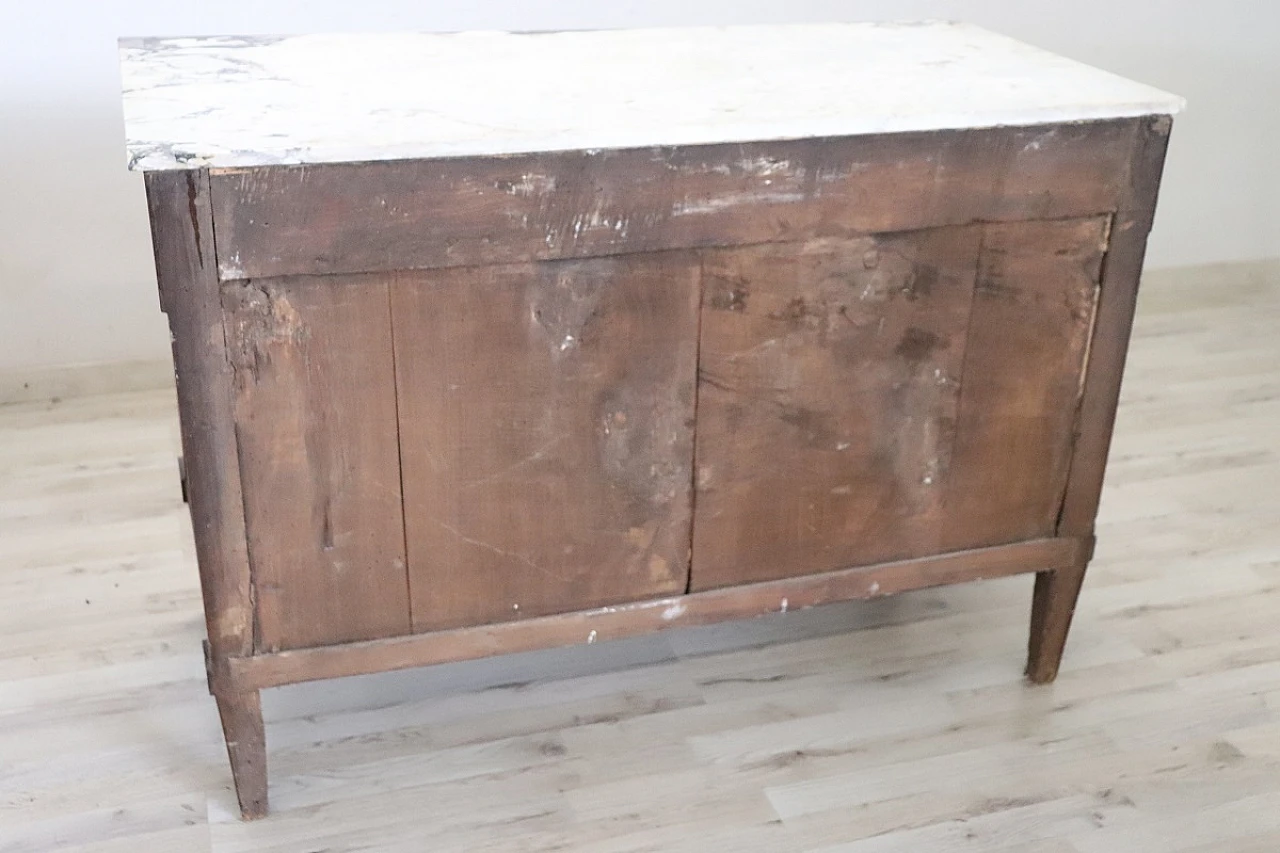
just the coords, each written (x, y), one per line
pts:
(185, 257)
(379, 216)
(1053, 604)
(626, 620)
(1113, 324)
(245, 734)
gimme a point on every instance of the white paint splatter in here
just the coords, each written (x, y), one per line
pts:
(675, 611)
(591, 638)
(728, 200)
(763, 165)
(875, 587)
(232, 268)
(1035, 144)
(529, 184)
(784, 606)
(934, 466)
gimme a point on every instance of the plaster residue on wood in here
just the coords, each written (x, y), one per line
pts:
(265, 324)
(328, 98)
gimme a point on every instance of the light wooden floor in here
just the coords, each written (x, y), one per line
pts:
(898, 725)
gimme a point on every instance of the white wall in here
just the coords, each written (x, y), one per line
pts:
(76, 280)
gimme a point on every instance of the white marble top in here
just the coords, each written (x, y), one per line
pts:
(242, 101)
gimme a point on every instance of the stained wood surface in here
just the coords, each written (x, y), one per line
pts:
(643, 617)
(828, 385)
(338, 218)
(1113, 325)
(246, 736)
(1020, 390)
(1053, 604)
(1056, 594)
(546, 421)
(888, 397)
(315, 415)
(182, 236)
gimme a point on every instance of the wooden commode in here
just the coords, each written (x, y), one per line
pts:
(489, 342)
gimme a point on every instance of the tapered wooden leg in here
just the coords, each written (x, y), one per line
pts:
(1052, 605)
(245, 733)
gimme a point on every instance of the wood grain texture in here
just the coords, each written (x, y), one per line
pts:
(546, 419)
(1109, 346)
(182, 236)
(1020, 389)
(246, 736)
(1053, 603)
(276, 220)
(1056, 595)
(315, 415)
(643, 617)
(883, 402)
(827, 402)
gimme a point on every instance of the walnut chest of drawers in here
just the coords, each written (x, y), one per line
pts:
(490, 342)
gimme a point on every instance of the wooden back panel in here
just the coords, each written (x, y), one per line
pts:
(888, 397)
(315, 415)
(415, 280)
(827, 400)
(546, 426)
(1033, 312)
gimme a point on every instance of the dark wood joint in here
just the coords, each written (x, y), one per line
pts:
(218, 673)
(1090, 543)
(208, 665)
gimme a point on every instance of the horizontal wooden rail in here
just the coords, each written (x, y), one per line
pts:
(627, 620)
(334, 218)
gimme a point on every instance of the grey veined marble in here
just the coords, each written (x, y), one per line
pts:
(246, 101)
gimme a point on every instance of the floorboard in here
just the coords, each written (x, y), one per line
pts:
(893, 725)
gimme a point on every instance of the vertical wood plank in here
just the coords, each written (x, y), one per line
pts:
(316, 419)
(1053, 604)
(182, 237)
(827, 401)
(1032, 314)
(1057, 592)
(546, 416)
(1122, 271)
(245, 733)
